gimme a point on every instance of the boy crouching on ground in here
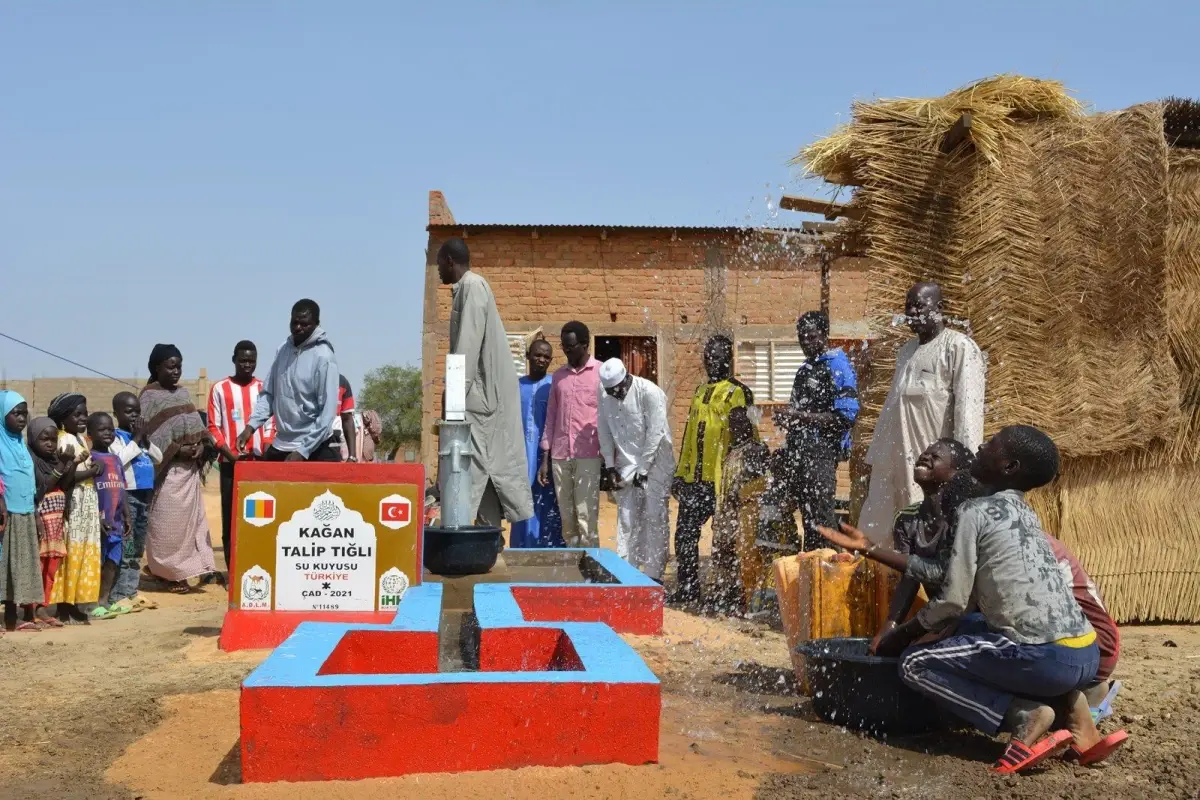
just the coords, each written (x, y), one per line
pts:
(1029, 650)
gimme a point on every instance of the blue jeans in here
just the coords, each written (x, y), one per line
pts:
(126, 585)
(975, 673)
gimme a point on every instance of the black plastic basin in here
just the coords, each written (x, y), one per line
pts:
(861, 691)
(462, 551)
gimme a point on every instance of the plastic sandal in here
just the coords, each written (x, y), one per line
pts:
(1104, 710)
(1100, 750)
(29, 627)
(1018, 757)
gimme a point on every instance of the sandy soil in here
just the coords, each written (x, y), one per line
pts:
(145, 706)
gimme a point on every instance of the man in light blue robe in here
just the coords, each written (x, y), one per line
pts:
(544, 528)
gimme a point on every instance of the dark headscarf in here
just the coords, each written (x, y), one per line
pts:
(62, 406)
(158, 355)
(43, 468)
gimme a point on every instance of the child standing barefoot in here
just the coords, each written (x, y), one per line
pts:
(54, 475)
(78, 581)
(20, 576)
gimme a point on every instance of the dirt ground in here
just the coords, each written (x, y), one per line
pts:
(145, 706)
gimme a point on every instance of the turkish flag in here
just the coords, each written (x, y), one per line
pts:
(396, 512)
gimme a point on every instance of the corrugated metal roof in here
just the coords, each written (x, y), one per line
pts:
(589, 227)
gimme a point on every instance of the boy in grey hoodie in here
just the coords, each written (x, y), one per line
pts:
(301, 390)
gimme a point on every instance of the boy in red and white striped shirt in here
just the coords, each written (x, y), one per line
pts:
(230, 404)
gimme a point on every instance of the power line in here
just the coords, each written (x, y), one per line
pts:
(69, 361)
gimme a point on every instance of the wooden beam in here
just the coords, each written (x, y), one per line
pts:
(820, 227)
(826, 261)
(958, 133)
(813, 205)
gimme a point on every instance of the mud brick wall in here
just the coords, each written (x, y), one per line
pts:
(677, 285)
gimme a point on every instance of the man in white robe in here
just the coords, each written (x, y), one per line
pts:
(635, 443)
(499, 478)
(937, 392)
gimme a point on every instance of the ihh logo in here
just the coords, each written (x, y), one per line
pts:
(392, 586)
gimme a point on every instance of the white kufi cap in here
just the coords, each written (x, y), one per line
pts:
(612, 372)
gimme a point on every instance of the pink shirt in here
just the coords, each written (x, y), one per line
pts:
(572, 414)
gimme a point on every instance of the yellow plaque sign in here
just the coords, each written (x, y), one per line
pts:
(324, 546)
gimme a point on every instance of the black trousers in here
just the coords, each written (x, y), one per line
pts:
(328, 451)
(697, 504)
(810, 482)
(226, 468)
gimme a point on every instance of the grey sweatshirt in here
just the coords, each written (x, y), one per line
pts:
(301, 391)
(1002, 563)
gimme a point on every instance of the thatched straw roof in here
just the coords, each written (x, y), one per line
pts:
(993, 103)
(1069, 246)
(1048, 237)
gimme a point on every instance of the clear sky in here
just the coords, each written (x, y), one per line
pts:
(183, 171)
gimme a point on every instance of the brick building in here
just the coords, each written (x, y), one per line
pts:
(650, 295)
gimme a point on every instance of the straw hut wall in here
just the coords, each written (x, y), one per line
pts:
(1068, 245)
(1183, 293)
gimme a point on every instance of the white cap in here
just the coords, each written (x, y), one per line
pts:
(612, 372)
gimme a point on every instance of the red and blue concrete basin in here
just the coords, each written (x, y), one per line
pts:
(615, 592)
(554, 685)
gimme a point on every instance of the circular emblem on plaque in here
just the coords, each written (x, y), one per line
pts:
(394, 583)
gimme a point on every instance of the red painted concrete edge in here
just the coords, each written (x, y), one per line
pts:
(383, 652)
(256, 630)
(625, 609)
(451, 727)
(329, 472)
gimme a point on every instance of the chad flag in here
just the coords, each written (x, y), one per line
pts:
(260, 508)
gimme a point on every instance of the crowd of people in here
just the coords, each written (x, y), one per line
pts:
(85, 495)
(592, 427)
(1014, 636)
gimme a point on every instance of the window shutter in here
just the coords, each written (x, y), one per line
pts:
(788, 358)
(753, 368)
(769, 368)
(518, 343)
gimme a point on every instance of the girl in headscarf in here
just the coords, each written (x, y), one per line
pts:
(54, 476)
(78, 580)
(20, 577)
(177, 543)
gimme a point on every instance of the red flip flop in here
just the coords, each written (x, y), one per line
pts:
(1018, 757)
(1100, 750)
